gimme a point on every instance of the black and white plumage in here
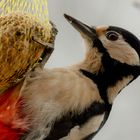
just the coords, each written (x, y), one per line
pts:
(73, 103)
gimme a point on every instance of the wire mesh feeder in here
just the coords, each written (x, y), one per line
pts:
(25, 36)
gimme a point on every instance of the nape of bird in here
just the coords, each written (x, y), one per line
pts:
(74, 103)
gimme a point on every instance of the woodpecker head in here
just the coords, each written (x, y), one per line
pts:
(113, 54)
(119, 43)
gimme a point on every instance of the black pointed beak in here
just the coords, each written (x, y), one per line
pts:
(84, 29)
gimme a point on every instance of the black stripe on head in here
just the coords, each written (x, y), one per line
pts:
(98, 44)
(131, 39)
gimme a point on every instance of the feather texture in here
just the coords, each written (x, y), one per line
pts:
(12, 123)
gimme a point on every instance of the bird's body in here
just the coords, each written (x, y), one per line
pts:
(62, 94)
(69, 100)
(73, 103)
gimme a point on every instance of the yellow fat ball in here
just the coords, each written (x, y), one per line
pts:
(24, 29)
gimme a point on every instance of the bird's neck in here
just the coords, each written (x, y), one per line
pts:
(109, 87)
(109, 75)
(92, 61)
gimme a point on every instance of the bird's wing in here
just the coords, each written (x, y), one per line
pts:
(64, 101)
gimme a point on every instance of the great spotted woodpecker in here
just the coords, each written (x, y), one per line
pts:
(73, 103)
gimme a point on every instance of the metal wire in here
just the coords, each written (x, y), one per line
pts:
(38, 8)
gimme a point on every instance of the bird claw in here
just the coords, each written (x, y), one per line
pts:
(48, 47)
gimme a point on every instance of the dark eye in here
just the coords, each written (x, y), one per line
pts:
(113, 36)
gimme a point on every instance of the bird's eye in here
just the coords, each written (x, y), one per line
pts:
(113, 36)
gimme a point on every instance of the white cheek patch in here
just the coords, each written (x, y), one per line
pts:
(121, 51)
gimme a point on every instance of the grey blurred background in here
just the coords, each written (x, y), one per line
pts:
(124, 121)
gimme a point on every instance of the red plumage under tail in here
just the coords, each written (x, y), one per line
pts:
(12, 121)
(7, 133)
